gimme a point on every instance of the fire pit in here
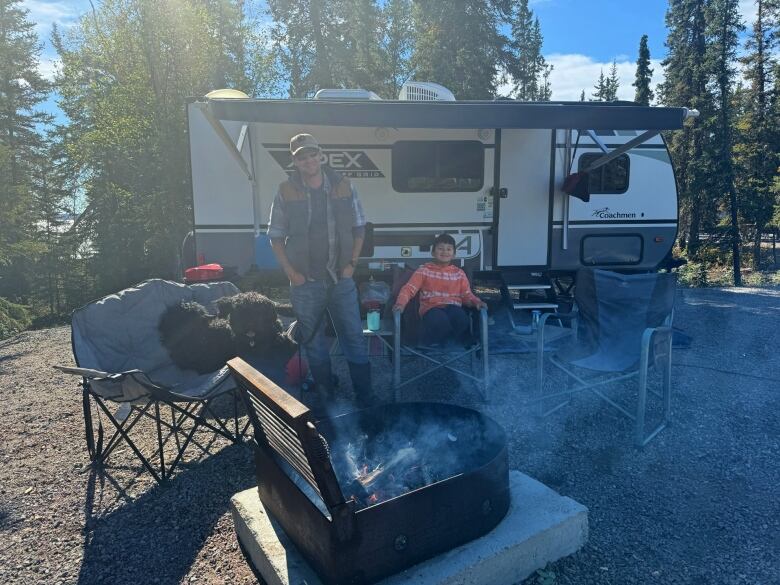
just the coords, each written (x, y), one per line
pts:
(367, 494)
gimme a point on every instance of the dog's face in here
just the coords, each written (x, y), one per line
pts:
(253, 319)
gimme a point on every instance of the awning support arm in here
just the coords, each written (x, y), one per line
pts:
(602, 160)
(225, 137)
(599, 142)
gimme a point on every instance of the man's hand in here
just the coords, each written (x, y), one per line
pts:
(296, 278)
(348, 271)
(397, 308)
(480, 305)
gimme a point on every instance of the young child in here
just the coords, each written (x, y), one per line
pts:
(444, 290)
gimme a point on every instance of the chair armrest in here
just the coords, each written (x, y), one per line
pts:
(83, 372)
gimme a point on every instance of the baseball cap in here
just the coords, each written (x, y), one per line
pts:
(301, 141)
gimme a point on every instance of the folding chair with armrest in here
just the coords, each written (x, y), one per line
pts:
(625, 326)
(117, 349)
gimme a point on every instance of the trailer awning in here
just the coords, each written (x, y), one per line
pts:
(463, 115)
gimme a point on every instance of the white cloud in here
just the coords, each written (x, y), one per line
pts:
(47, 67)
(748, 10)
(574, 72)
(45, 13)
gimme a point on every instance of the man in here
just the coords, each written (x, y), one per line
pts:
(316, 230)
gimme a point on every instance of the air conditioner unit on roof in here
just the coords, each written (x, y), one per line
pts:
(425, 91)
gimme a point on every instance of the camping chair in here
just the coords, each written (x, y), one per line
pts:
(625, 326)
(405, 345)
(117, 348)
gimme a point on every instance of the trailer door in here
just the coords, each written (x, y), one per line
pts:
(522, 225)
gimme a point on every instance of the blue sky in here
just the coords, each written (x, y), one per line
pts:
(580, 38)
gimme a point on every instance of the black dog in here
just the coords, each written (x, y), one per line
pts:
(194, 339)
(248, 325)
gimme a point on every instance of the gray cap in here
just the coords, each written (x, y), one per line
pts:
(300, 142)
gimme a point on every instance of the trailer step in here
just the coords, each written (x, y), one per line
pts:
(518, 306)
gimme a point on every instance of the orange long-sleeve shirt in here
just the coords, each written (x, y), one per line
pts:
(438, 286)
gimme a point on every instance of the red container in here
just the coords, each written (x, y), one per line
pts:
(203, 273)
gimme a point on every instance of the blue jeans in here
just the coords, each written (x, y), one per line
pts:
(310, 300)
(442, 324)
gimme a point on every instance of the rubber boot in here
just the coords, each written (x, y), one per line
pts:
(361, 384)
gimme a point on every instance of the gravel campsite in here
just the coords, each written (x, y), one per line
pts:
(697, 506)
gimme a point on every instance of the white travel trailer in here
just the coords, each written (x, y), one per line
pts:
(488, 172)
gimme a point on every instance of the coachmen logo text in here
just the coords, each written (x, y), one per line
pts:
(605, 213)
(354, 164)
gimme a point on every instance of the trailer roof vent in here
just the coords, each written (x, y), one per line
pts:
(346, 94)
(425, 91)
(226, 94)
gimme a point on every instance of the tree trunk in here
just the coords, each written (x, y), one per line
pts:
(757, 247)
(735, 238)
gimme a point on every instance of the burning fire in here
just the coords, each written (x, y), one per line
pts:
(382, 470)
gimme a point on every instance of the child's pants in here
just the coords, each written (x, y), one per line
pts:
(441, 324)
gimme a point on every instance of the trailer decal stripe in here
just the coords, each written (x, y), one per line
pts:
(612, 222)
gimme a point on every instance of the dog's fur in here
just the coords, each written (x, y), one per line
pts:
(248, 325)
(195, 340)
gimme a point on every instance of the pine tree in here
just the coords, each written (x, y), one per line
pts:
(459, 45)
(600, 87)
(685, 84)
(397, 44)
(723, 28)
(582, 96)
(644, 74)
(526, 65)
(611, 84)
(21, 90)
(309, 38)
(362, 63)
(756, 158)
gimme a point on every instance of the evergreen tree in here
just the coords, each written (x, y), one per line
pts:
(685, 84)
(309, 39)
(582, 96)
(459, 45)
(362, 63)
(21, 90)
(611, 84)
(397, 44)
(644, 74)
(600, 87)
(526, 65)
(756, 158)
(723, 28)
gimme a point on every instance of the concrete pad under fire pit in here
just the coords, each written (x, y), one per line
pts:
(540, 527)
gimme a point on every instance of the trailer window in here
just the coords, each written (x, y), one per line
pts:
(611, 178)
(438, 166)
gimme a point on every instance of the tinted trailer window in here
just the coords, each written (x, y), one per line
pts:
(424, 166)
(609, 179)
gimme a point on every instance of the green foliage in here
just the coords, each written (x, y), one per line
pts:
(21, 90)
(644, 74)
(13, 318)
(459, 45)
(525, 63)
(606, 88)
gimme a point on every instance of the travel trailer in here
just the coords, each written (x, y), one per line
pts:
(488, 172)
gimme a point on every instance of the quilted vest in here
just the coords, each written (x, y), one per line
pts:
(340, 222)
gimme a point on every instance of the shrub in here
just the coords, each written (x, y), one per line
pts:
(13, 318)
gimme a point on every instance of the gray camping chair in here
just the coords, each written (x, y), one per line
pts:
(625, 327)
(452, 358)
(117, 348)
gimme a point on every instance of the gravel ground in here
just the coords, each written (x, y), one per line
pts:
(699, 505)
